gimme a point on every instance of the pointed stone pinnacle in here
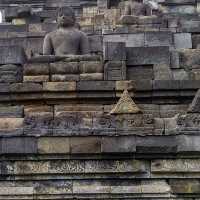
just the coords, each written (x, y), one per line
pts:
(125, 105)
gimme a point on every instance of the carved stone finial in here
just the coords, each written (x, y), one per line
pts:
(125, 105)
(195, 105)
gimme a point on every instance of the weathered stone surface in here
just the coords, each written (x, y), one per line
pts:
(53, 145)
(147, 55)
(11, 73)
(64, 68)
(36, 79)
(96, 86)
(13, 191)
(11, 111)
(114, 51)
(183, 40)
(85, 145)
(63, 78)
(25, 87)
(90, 67)
(17, 145)
(36, 69)
(115, 70)
(118, 166)
(189, 58)
(14, 55)
(162, 72)
(118, 144)
(59, 86)
(185, 186)
(91, 77)
(178, 166)
(158, 39)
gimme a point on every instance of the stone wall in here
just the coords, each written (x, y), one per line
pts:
(58, 138)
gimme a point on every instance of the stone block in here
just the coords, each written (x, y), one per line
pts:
(91, 77)
(96, 86)
(36, 79)
(11, 111)
(158, 38)
(118, 144)
(114, 51)
(14, 55)
(11, 73)
(189, 58)
(162, 72)
(181, 74)
(64, 68)
(89, 145)
(96, 43)
(175, 63)
(147, 55)
(115, 166)
(140, 72)
(144, 85)
(115, 70)
(90, 67)
(16, 191)
(156, 144)
(188, 143)
(19, 145)
(185, 186)
(31, 69)
(129, 19)
(125, 85)
(53, 145)
(59, 86)
(175, 166)
(183, 40)
(166, 85)
(64, 78)
(25, 87)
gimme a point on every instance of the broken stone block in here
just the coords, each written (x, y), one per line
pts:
(114, 51)
(115, 70)
(90, 67)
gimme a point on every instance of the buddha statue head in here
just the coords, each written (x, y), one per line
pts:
(66, 17)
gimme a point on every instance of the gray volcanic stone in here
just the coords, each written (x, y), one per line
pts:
(20, 145)
(195, 105)
(12, 55)
(114, 51)
(147, 55)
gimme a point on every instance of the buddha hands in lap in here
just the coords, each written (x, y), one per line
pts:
(67, 39)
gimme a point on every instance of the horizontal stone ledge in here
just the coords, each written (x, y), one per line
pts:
(94, 145)
(63, 167)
